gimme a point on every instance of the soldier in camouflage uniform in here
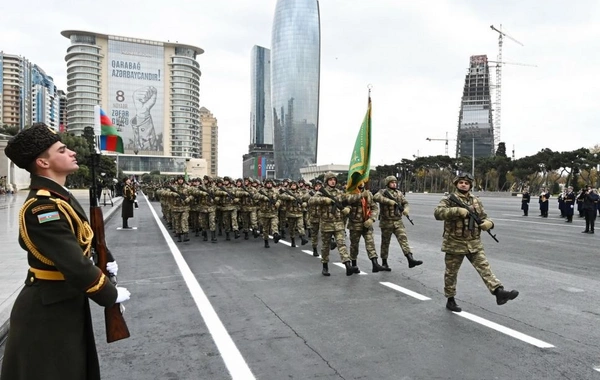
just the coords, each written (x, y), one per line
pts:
(247, 213)
(180, 208)
(393, 207)
(194, 207)
(332, 204)
(208, 209)
(363, 213)
(314, 217)
(460, 241)
(268, 206)
(294, 205)
(229, 206)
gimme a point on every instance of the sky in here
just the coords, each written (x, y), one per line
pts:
(414, 54)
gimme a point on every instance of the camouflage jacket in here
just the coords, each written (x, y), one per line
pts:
(331, 217)
(388, 206)
(362, 207)
(458, 239)
(268, 202)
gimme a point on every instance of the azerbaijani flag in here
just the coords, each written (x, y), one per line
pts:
(109, 136)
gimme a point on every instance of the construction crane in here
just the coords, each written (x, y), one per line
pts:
(499, 63)
(446, 140)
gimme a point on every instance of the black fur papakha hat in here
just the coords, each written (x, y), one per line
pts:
(28, 144)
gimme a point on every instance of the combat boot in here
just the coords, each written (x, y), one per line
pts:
(385, 265)
(179, 238)
(412, 262)
(227, 235)
(304, 240)
(236, 234)
(325, 270)
(452, 306)
(503, 296)
(213, 236)
(315, 252)
(204, 236)
(282, 234)
(267, 244)
(245, 235)
(197, 232)
(350, 270)
(276, 238)
(376, 266)
(186, 237)
(355, 265)
(255, 233)
(293, 242)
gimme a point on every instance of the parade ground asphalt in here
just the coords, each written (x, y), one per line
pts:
(237, 310)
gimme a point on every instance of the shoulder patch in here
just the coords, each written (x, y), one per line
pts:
(48, 217)
(43, 193)
(39, 208)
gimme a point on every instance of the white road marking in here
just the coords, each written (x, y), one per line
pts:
(597, 368)
(362, 273)
(310, 253)
(405, 291)
(505, 330)
(235, 363)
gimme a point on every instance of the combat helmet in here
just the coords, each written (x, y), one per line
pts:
(227, 178)
(328, 176)
(389, 179)
(465, 177)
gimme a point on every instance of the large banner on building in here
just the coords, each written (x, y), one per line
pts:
(136, 94)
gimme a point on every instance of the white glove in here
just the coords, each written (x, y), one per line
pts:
(122, 295)
(112, 267)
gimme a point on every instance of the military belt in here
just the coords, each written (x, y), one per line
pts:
(49, 275)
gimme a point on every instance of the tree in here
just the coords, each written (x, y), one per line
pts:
(9, 130)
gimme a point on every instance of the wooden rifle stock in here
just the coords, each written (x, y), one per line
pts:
(116, 328)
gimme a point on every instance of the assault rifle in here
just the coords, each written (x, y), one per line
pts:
(336, 203)
(262, 192)
(181, 196)
(298, 201)
(473, 217)
(205, 190)
(229, 195)
(398, 208)
(116, 328)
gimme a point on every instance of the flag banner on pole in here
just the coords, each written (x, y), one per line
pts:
(109, 136)
(360, 162)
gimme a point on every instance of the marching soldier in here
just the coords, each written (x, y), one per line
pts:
(180, 208)
(314, 217)
(363, 213)
(208, 209)
(195, 207)
(51, 334)
(247, 213)
(229, 206)
(268, 205)
(331, 203)
(393, 207)
(293, 204)
(460, 241)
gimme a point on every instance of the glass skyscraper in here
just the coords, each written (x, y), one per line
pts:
(295, 75)
(475, 126)
(261, 116)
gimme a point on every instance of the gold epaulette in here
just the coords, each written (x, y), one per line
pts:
(43, 193)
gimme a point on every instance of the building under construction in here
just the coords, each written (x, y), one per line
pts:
(475, 126)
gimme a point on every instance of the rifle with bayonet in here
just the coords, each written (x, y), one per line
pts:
(473, 217)
(398, 208)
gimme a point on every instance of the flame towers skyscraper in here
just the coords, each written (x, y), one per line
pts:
(295, 75)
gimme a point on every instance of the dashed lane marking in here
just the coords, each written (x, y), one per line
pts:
(362, 273)
(235, 363)
(505, 330)
(405, 291)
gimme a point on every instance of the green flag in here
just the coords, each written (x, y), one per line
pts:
(360, 162)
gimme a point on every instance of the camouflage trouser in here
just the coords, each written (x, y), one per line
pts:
(248, 220)
(193, 220)
(208, 220)
(296, 223)
(230, 220)
(340, 239)
(268, 221)
(355, 236)
(396, 228)
(180, 221)
(479, 262)
(314, 233)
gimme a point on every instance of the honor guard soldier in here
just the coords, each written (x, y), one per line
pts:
(525, 202)
(460, 241)
(128, 202)
(51, 334)
(543, 200)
